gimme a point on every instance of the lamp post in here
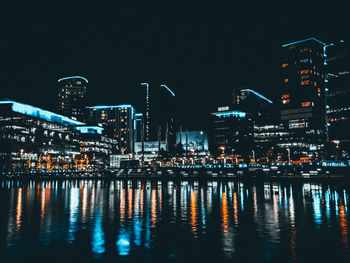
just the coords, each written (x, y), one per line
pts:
(253, 156)
(288, 155)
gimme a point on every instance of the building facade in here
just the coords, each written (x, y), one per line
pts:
(337, 64)
(35, 139)
(71, 96)
(303, 108)
(118, 121)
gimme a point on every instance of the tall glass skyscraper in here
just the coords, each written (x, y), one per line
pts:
(118, 122)
(71, 97)
(303, 96)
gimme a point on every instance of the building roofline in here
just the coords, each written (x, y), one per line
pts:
(36, 112)
(258, 94)
(234, 113)
(304, 40)
(74, 77)
(109, 106)
(171, 92)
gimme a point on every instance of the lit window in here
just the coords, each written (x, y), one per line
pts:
(305, 104)
(285, 81)
(305, 71)
(285, 96)
(305, 82)
(284, 65)
(285, 101)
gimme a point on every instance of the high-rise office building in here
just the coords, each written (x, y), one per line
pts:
(118, 122)
(303, 97)
(158, 114)
(165, 116)
(72, 97)
(139, 127)
(337, 64)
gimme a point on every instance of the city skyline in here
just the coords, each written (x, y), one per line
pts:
(194, 50)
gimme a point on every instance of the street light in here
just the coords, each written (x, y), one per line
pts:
(253, 156)
(288, 155)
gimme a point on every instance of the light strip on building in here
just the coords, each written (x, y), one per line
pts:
(258, 94)
(304, 40)
(74, 77)
(239, 114)
(40, 113)
(172, 93)
(89, 129)
(110, 107)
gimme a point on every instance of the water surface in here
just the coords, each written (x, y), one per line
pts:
(144, 221)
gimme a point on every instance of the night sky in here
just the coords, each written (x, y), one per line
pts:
(201, 50)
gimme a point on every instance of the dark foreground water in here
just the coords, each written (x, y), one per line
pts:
(134, 221)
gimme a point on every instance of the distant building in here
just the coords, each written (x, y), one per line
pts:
(71, 97)
(303, 97)
(159, 114)
(147, 111)
(338, 92)
(139, 126)
(165, 117)
(118, 121)
(35, 139)
(232, 132)
(196, 141)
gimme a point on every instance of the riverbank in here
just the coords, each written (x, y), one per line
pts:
(182, 174)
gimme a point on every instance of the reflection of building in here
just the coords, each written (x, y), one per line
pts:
(71, 97)
(338, 99)
(118, 122)
(33, 138)
(196, 140)
(302, 96)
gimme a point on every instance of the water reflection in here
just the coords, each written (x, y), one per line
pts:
(124, 218)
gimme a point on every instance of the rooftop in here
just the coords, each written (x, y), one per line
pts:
(304, 40)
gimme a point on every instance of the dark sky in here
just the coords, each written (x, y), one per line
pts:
(200, 50)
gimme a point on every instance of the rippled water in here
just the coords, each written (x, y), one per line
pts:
(144, 221)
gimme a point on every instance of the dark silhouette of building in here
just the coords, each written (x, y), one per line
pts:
(338, 93)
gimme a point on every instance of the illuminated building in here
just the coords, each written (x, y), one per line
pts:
(302, 97)
(193, 140)
(232, 132)
(33, 138)
(118, 121)
(139, 127)
(71, 97)
(338, 92)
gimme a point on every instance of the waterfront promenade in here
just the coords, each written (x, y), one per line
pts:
(194, 173)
